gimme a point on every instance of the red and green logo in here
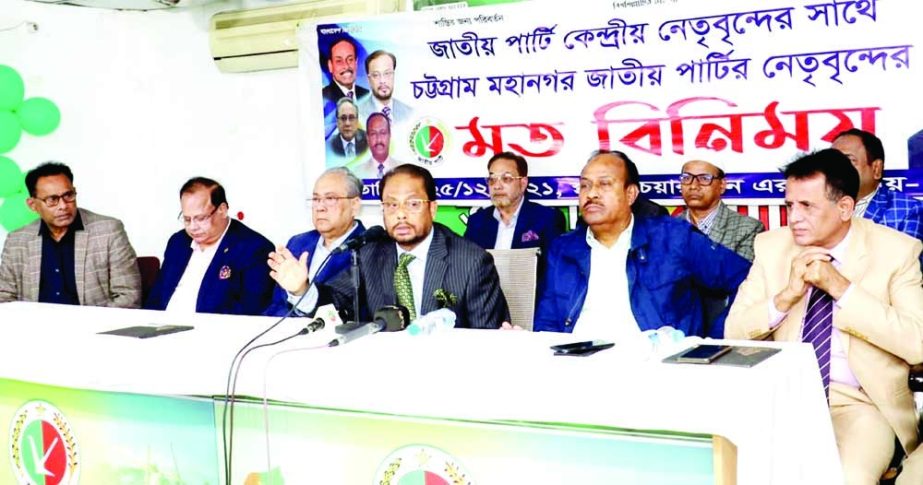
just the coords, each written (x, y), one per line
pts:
(428, 141)
(421, 465)
(43, 448)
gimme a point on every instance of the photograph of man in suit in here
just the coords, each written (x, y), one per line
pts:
(215, 264)
(349, 141)
(341, 64)
(420, 257)
(512, 221)
(702, 184)
(334, 208)
(70, 256)
(379, 135)
(851, 288)
(379, 67)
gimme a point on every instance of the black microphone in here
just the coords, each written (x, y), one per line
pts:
(372, 234)
(390, 318)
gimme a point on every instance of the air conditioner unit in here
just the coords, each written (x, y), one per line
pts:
(264, 38)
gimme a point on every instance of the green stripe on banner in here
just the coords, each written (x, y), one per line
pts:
(32, 448)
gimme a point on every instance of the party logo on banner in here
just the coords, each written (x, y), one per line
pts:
(421, 464)
(428, 140)
(43, 449)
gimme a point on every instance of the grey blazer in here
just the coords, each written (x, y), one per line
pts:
(105, 265)
(453, 264)
(734, 231)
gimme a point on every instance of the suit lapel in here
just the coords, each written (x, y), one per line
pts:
(718, 228)
(436, 267)
(80, 258)
(386, 253)
(523, 223)
(33, 270)
(219, 261)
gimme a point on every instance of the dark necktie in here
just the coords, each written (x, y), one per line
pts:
(381, 169)
(349, 95)
(387, 112)
(402, 286)
(817, 330)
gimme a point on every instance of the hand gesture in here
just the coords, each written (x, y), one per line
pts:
(289, 272)
(797, 284)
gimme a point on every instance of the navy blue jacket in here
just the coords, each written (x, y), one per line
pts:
(307, 241)
(668, 263)
(536, 227)
(237, 281)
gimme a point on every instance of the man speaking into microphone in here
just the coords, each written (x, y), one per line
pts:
(422, 265)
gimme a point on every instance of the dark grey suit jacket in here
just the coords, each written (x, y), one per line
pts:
(335, 145)
(453, 264)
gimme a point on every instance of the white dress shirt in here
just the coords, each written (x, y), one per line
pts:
(505, 232)
(863, 204)
(606, 312)
(839, 364)
(321, 252)
(186, 295)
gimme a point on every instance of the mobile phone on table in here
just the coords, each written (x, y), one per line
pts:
(587, 347)
(703, 354)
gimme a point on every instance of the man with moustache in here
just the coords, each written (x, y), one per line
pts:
(379, 67)
(215, 264)
(379, 135)
(334, 207)
(341, 63)
(621, 274)
(513, 222)
(852, 289)
(420, 260)
(69, 256)
(349, 140)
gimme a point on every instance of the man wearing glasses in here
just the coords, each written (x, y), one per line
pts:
(334, 207)
(379, 67)
(69, 256)
(514, 222)
(349, 140)
(621, 274)
(702, 184)
(421, 260)
(215, 264)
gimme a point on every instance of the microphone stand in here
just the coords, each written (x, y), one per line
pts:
(356, 281)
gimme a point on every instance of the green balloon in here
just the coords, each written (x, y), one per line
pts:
(12, 88)
(38, 116)
(11, 178)
(14, 213)
(10, 131)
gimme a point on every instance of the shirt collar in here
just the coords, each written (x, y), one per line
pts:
(838, 252)
(195, 246)
(706, 222)
(346, 90)
(422, 249)
(515, 214)
(340, 240)
(76, 225)
(623, 240)
(379, 105)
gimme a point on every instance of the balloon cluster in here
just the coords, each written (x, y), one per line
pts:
(35, 116)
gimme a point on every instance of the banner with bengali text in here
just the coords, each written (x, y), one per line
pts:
(749, 84)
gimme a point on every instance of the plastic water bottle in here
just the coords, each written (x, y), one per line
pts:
(433, 322)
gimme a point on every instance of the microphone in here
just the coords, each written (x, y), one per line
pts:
(324, 315)
(390, 318)
(372, 234)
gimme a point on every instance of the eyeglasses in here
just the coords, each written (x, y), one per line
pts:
(602, 185)
(706, 179)
(199, 219)
(328, 201)
(381, 75)
(53, 200)
(412, 206)
(506, 178)
(345, 118)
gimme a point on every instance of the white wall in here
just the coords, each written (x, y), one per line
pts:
(144, 108)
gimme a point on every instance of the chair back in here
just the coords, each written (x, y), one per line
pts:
(518, 270)
(149, 266)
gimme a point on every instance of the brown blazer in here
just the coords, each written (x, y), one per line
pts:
(105, 265)
(881, 317)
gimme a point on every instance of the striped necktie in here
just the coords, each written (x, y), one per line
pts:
(387, 112)
(402, 286)
(817, 330)
(350, 149)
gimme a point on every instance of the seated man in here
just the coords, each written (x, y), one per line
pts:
(852, 289)
(334, 207)
(702, 184)
(215, 265)
(419, 261)
(70, 255)
(513, 222)
(622, 274)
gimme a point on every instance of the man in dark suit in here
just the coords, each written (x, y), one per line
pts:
(512, 222)
(349, 140)
(334, 207)
(341, 63)
(421, 260)
(215, 265)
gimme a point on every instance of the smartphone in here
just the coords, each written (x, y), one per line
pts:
(703, 354)
(587, 347)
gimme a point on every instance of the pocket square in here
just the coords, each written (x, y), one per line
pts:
(530, 236)
(224, 273)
